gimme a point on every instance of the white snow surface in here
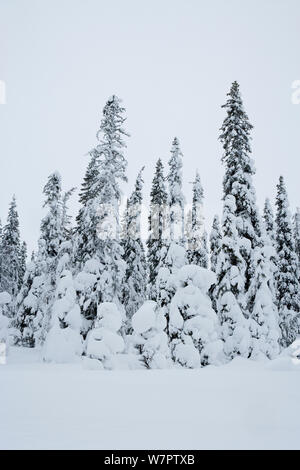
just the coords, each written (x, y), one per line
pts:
(242, 405)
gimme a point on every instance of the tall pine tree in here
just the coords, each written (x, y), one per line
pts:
(36, 297)
(135, 280)
(1, 259)
(98, 250)
(157, 242)
(269, 223)
(10, 251)
(241, 229)
(176, 197)
(198, 250)
(296, 232)
(237, 183)
(215, 243)
(22, 263)
(239, 169)
(287, 275)
(230, 287)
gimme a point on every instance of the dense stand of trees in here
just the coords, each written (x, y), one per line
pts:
(183, 298)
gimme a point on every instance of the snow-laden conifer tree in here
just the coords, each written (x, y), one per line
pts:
(136, 276)
(104, 341)
(36, 297)
(229, 293)
(176, 197)
(296, 233)
(66, 219)
(198, 250)
(149, 337)
(188, 228)
(52, 234)
(29, 305)
(175, 250)
(237, 182)
(98, 250)
(194, 326)
(215, 240)
(90, 181)
(157, 242)
(165, 280)
(22, 263)
(10, 251)
(1, 256)
(269, 222)
(287, 275)
(64, 342)
(264, 322)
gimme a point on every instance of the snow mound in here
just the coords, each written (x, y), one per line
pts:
(62, 345)
(289, 359)
(104, 341)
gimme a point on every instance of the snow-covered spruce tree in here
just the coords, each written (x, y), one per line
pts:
(104, 341)
(157, 242)
(215, 240)
(264, 324)
(296, 233)
(64, 342)
(194, 326)
(188, 228)
(91, 178)
(269, 222)
(51, 233)
(149, 338)
(174, 260)
(176, 197)
(287, 275)
(98, 251)
(66, 219)
(87, 219)
(36, 297)
(135, 280)
(237, 182)
(1, 256)
(175, 256)
(22, 263)
(229, 293)
(198, 251)
(29, 305)
(241, 230)
(10, 251)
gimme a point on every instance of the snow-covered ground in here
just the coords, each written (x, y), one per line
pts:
(240, 405)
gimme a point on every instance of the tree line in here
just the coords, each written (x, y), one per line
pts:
(94, 288)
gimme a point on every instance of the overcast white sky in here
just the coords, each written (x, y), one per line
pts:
(172, 63)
